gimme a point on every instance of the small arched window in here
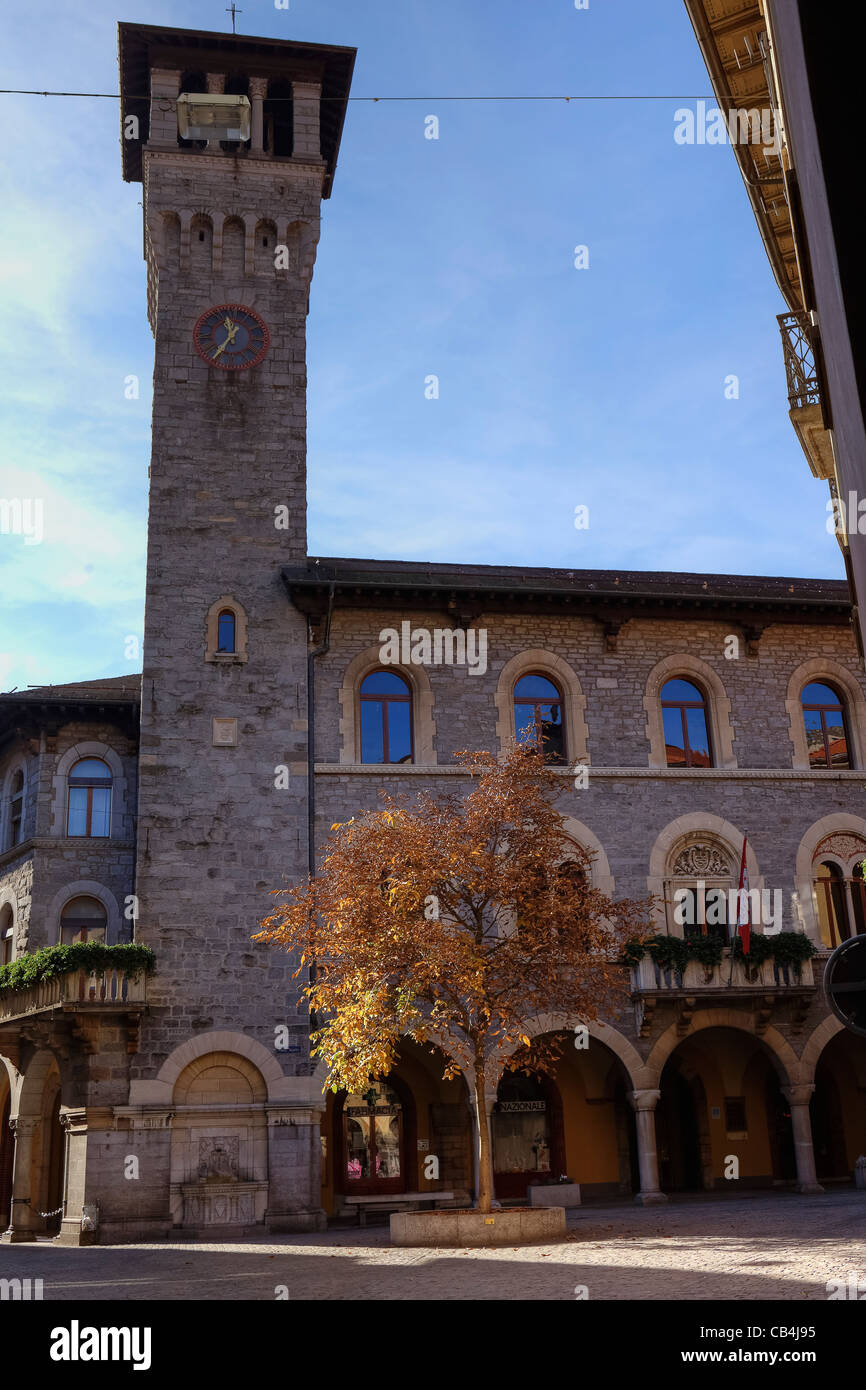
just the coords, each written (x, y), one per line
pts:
(7, 928)
(16, 810)
(89, 805)
(226, 631)
(82, 919)
(386, 718)
(538, 716)
(826, 726)
(686, 727)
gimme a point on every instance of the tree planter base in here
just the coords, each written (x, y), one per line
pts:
(561, 1194)
(514, 1226)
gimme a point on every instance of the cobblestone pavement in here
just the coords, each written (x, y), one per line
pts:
(782, 1246)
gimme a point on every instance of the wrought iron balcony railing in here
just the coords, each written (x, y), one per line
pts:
(803, 389)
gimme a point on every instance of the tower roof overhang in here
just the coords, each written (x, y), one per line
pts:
(145, 46)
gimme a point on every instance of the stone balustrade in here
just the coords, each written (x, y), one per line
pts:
(649, 978)
(110, 990)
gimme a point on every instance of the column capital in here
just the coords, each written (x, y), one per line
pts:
(798, 1095)
(258, 88)
(644, 1100)
(24, 1126)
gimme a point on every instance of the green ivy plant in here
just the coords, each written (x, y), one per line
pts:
(92, 956)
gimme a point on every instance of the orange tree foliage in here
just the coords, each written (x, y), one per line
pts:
(459, 922)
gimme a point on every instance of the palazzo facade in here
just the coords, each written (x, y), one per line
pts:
(707, 711)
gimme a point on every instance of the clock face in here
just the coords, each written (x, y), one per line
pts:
(232, 337)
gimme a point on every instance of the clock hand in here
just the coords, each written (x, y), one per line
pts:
(229, 338)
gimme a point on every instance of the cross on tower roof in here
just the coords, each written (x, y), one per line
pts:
(233, 10)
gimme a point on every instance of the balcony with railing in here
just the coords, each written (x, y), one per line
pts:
(804, 392)
(736, 975)
(82, 991)
(760, 982)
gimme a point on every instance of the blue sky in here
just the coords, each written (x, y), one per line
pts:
(559, 387)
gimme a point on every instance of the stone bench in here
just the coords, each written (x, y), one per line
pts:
(394, 1201)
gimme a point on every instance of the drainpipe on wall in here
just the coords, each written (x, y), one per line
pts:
(311, 761)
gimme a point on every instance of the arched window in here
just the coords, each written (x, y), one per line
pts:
(832, 906)
(386, 718)
(16, 810)
(7, 929)
(278, 120)
(697, 890)
(684, 718)
(826, 726)
(192, 82)
(89, 804)
(226, 629)
(82, 919)
(538, 716)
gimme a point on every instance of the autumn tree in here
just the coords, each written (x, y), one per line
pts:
(460, 922)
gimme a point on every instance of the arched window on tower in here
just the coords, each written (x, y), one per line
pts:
(236, 85)
(89, 799)
(278, 119)
(386, 718)
(538, 718)
(825, 719)
(82, 919)
(226, 631)
(192, 82)
(686, 729)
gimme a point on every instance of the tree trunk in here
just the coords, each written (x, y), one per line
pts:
(485, 1157)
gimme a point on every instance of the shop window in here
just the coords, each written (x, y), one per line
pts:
(521, 1134)
(373, 1141)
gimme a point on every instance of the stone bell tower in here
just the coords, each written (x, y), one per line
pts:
(235, 142)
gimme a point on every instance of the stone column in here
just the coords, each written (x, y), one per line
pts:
(23, 1221)
(216, 85)
(294, 1170)
(306, 139)
(798, 1098)
(164, 87)
(75, 1176)
(258, 92)
(644, 1104)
